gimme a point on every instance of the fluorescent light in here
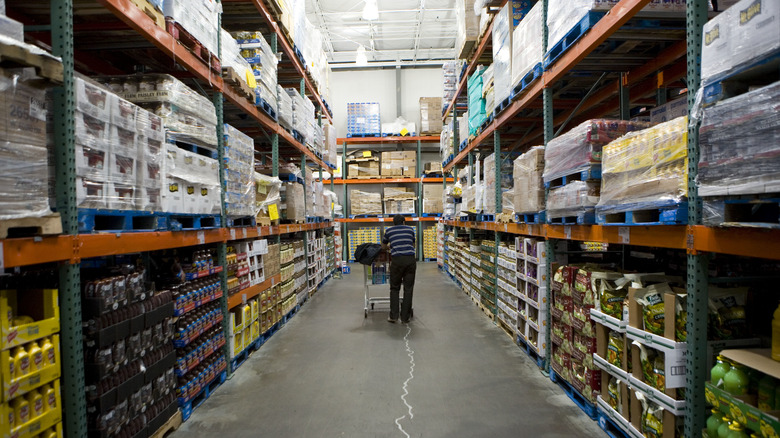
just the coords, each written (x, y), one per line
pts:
(370, 10)
(361, 59)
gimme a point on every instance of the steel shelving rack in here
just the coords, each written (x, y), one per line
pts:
(418, 179)
(533, 117)
(56, 22)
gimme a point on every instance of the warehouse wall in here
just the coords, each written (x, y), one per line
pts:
(380, 86)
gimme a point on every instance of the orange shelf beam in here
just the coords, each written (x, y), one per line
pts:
(747, 242)
(674, 237)
(252, 291)
(373, 140)
(385, 219)
(32, 251)
(339, 181)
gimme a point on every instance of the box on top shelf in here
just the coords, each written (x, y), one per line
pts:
(467, 26)
(430, 115)
(200, 18)
(527, 44)
(399, 163)
(363, 119)
(502, 54)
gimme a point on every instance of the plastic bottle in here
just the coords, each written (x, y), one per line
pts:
(719, 371)
(776, 335)
(11, 419)
(21, 362)
(35, 399)
(737, 431)
(766, 393)
(21, 409)
(713, 423)
(50, 433)
(36, 357)
(723, 429)
(48, 352)
(736, 381)
(49, 397)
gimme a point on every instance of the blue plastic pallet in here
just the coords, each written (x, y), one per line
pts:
(178, 222)
(591, 173)
(314, 219)
(365, 135)
(530, 218)
(503, 105)
(290, 177)
(715, 88)
(398, 134)
(363, 216)
(486, 218)
(578, 30)
(528, 79)
(297, 135)
(612, 429)
(188, 406)
(530, 352)
(586, 218)
(463, 145)
(290, 314)
(644, 213)
(431, 215)
(399, 214)
(242, 221)
(94, 220)
(197, 149)
(266, 107)
(586, 406)
(746, 210)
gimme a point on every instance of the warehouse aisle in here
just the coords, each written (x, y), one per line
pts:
(330, 373)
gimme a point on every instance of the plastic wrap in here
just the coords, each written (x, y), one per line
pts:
(238, 178)
(433, 198)
(400, 126)
(502, 53)
(293, 202)
(310, 195)
(506, 183)
(527, 44)
(263, 64)
(476, 101)
(529, 187)
(187, 116)
(231, 56)
(467, 26)
(267, 193)
(445, 141)
(648, 166)
(332, 205)
(430, 115)
(450, 70)
(365, 203)
(331, 143)
(363, 119)
(581, 147)
(285, 109)
(303, 115)
(198, 17)
(736, 154)
(573, 199)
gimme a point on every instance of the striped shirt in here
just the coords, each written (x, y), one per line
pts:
(401, 239)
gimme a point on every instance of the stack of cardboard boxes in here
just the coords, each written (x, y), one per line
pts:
(399, 200)
(430, 115)
(365, 203)
(432, 198)
(529, 188)
(397, 164)
(363, 166)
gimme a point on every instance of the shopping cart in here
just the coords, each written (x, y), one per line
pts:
(378, 273)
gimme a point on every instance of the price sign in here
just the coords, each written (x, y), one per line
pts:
(201, 237)
(567, 231)
(625, 235)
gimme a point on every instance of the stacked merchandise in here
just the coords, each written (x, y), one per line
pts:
(646, 169)
(360, 236)
(399, 128)
(288, 272)
(399, 164)
(330, 254)
(239, 172)
(309, 189)
(129, 336)
(487, 273)
(529, 188)
(191, 181)
(432, 199)
(507, 296)
(25, 177)
(285, 108)
(440, 244)
(507, 184)
(263, 63)
(270, 313)
(318, 142)
(488, 89)
(232, 57)
(331, 144)
(338, 243)
(363, 119)
(399, 200)
(527, 45)
(532, 287)
(477, 114)
(267, 198)
(578, 152)
(738, 166)
(31, 355)
(467, 26)
(293, 204)
(446, 140)
(244, 323)
(429, 243)
(303, 115)
(255, 253)
(430, 115)
(200, 18)
(237, 268)
(451, 72)
(365, 203)
(502, 55)
(364, 165)
(11, 30)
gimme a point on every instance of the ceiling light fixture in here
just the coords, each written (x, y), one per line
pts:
(361, 59)
(371, 10)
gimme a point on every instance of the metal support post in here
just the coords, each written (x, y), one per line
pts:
(223, 278)
(548, 135)
(625, 102)
(275, 155)
(497, 161)
(218, 104)
(303, 87)
(471, 169)
(345, 207)
(73, 396)
(696, 359)
(495, 272)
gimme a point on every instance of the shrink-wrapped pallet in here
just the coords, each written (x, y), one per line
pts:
(365, 203)
(573, 199)
(529, 188)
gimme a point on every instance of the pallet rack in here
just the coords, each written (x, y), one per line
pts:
(62, 24)
(533, 117)
(419, 180)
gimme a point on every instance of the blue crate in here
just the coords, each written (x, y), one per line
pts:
(612, 429)
(528, 79)
(530, 218)
(94, 220)
(583, 218)
(643, 213)
(593, 172)
(716, 88)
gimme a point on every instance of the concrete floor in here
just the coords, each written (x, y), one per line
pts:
(331, 373)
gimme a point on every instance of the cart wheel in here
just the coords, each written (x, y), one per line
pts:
(372, 306)
(365, 313)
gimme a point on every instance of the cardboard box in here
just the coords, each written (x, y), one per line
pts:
(399, 206)
(398, 192)
(172, 196)
(91, 193)
(399, 164)
(91, 162)
(432, 198)
(295, 205)
(433, 167)
(121, 196)
(367, 167)
(430, 115)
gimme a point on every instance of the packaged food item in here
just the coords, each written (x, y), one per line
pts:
(652, 300)
(21, 408)
(612, 296)
(613, 395)
(719, 371)
(681, 318)
(21, 362)
(615, 349)
(646, 359)
(727, 318)
(49, 397)
(48, 352)
(659, 376)
(652, 419)
(36, 356)
(35, 399)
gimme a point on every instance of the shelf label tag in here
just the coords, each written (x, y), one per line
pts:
(259, 231)
(567, 231)
(201, 237)
(506, 228)
(273, 212)
(625, 235)
(381, 219)
(243, 298)
(232, 234)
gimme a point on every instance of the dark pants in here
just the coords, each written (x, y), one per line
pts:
(402, 269)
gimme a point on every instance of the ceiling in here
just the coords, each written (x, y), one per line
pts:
(407, 32)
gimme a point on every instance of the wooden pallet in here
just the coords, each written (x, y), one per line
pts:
(505, 218)
(31, 226)
(46, 66)
(232, 77)
(367, 177)
(151, 12)
(505, 327)
(169, 427)
(186, 39)
(266, 221)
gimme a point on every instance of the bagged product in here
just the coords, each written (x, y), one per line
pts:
(615, 349)
(646, 358)
(613, 395)
(728, 319)
(652, 301)
(611, 297)
(659, 376)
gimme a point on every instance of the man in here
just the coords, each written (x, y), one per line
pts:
(402, 268)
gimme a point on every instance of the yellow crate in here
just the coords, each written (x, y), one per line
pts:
(247, 333)
(16, 386)
(36, 425)
(255, 309)
(41, 304)
(255, 329)
(237, 343)
(236, 322)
